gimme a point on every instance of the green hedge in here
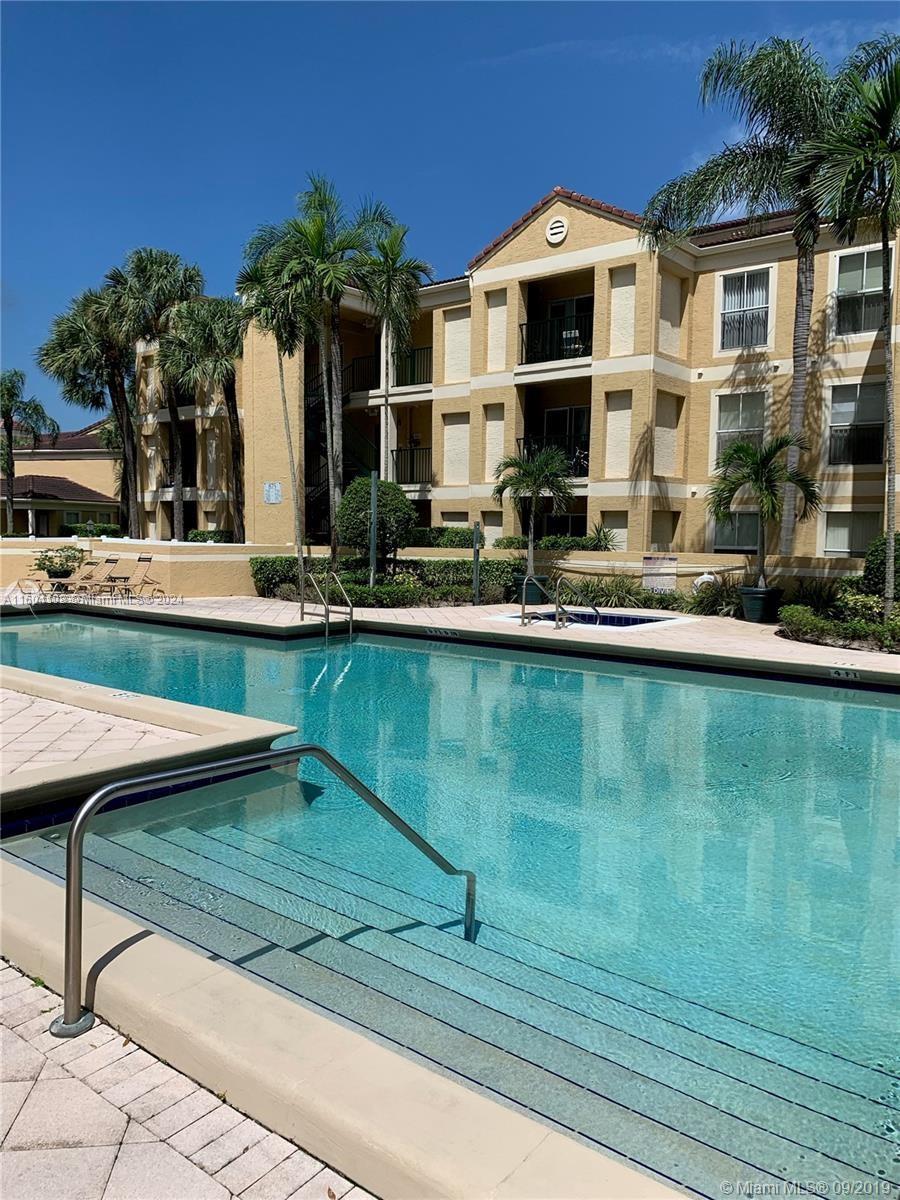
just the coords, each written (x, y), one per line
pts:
(417, 581)
(803, 625)
(514, 541)
(221, 536)
(396, 517)
(80, 529)
(271, 571)
(424, 535)
(876, 556)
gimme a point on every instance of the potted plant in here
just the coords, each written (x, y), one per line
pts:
(760, 473)
(528, 477)
(61, 563)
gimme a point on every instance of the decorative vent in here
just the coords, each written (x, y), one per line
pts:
(557, 230)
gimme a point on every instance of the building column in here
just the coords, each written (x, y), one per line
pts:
(387, 426)
(31, 520)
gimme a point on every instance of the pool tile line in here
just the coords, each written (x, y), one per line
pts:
(102, 1143)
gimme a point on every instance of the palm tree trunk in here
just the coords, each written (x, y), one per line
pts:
(806, 275)
(118, 398)
(388, 348)
(890, 446)
(176, 450)
(327, 389)
(337, 409)
(236, 440)
(10, 469)
(761, 554)
(292, 468)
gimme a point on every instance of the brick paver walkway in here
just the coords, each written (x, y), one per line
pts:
(98, 1118)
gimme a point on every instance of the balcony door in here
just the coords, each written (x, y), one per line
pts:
(569, 429)
(571, 325)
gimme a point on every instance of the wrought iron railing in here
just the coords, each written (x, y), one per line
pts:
(558, 337)
(749, 327)
(413, 367)
(575, 448)
(412, 464)
(857, 444)
(361, 374)
(728, 437)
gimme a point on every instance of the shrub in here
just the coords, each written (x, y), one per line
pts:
(801, 624)
(560, 542)
(873, 573)
(458, 537)
(821, 595)
(612, 591)
(858, 606)
(61, 562)
(211, 535)
(270, 571)
(396, 517)
(514, 541)
(602, 538)
(424, 535)
(288, 591)
(715, 600)
(97, 529)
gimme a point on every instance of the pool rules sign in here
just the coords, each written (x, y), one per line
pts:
(660, 572)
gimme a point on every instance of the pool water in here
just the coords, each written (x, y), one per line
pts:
(693, 877)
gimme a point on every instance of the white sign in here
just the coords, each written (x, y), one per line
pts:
(659, 573)
(557, 230)
(271, 493)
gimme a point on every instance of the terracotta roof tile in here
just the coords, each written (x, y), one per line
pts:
(51, 487)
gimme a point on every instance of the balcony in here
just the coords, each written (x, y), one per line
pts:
(361, 374)
(412, 464)
(576, 448)
(728, 437)
(856, 445)
(746, 328)
(413, 368)
(556, 338)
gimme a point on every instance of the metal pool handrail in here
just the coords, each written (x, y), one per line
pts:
(332, 575)
(525, 582)
(312, 579)
(560, 607)
(75, 1019)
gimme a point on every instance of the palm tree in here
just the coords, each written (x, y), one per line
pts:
(761, 473)
(200, 349)
(390, 279)
(87, 353)
(315, 258)
(141, 298)
(23, 420)
(784, 94)
(855, 172)
(527, 478)
(266, 305)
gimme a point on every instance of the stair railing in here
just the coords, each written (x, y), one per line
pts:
(333, 577)
(561, 617)
(76, 1019)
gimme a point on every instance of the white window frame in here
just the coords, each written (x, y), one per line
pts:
(843, 508)
(736, 512)
(825, 463)
(715, 396)
(717, 350)
(833, 268)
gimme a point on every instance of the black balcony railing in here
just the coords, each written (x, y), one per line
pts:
(749, 327)
(576, 449)
(559, 337)
(412, 464)
(164, 474)
(728, 437)
(412, 368)
(859, 313)
(857, 444)
(361, 374)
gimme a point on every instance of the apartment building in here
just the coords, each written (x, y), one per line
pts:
(566, 330)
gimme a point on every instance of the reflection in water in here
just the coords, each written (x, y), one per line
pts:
(729, 841)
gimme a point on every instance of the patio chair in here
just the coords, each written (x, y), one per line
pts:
(138, 583)
(99, 573)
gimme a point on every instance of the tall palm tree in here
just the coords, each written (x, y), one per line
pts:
(141, 297)
(528, 477)
(200, 349)
(315, 256)
(266, 305)
(92, 359)
(855, 172)
(390, 279)
(785, 96)
(762, 473)
(23, 420)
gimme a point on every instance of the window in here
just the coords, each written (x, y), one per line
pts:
(849, 533)
(857, 424)
(617, 521)
(72, 518)
(859, 292)
(742, 418)
(738, 533)
(745, 309)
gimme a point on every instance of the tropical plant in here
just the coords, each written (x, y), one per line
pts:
(22, 419)
(854, 167)
(876, 570)
(390, 279)
(61, 562)
(761, 473)
(92, 358)
(200, 349)
(526, 478)
(783, 93)
(396, 518)
(602, 539)
(266, 305)
(314, 257)
(141, 298)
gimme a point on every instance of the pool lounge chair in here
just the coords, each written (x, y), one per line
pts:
(138, 583)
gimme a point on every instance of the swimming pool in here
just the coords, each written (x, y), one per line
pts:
(687, 882)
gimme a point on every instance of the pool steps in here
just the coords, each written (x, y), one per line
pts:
(693, 1096)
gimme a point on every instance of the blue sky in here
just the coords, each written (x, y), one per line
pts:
(186, 125)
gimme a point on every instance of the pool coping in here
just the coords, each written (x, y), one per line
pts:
(853, 673)
(216, 734)
(398, 1127)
